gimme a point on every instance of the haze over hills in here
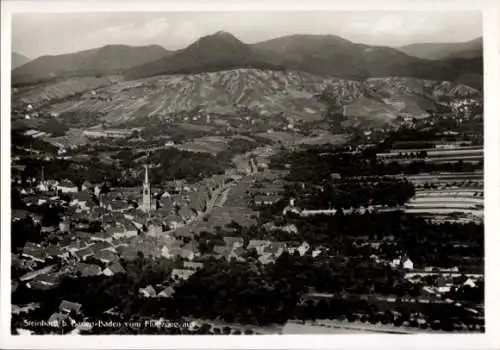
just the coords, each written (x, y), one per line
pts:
(109, 59)
(440, 51)
(18, 60)
(318, 54)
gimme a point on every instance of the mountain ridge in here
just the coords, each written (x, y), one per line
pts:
(328, 55)
(17, 59)
(436, 51)
(318, 54)
(105, 60)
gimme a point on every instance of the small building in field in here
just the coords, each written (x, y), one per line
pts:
(114, 269)
(182, 274)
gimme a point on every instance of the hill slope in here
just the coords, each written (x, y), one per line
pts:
(298, 95)
(18, 60)
(105, 60)
(439, 51)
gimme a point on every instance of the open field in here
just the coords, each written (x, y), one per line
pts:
(61, 89)
(209, 144)
(73, 137)
(324, 138)
(467, 201)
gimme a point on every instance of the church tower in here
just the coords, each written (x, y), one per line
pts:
(146, 193)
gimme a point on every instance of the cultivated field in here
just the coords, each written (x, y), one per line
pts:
(60, 89)
(208, 144)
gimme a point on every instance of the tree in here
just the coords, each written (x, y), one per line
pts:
(51, 216)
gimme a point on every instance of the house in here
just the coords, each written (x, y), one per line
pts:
(113, 311)
(193, 265)
(33, 274)
(88, 269)
(44, 282)
(66, 186)
(67, 307)
(128, 253)
(97, 212)
(59, 319)
(102, 245)
(106, 256)
(114, 269)
(187, 253)
(64, 225)
(316, 252)
(237, 254)
(118, 206)
(258, 245)
(102, 236)
(75, 245)
(301, 249)
(335, 176)
(407, 264)
(172, 249)
(42, 186)
(275, 249)
(119, 231)
(130, 228)
(444, 289)
(186, 213)
(48, 229)
(34, 252)
(164, 212)
(167, 292)
(16, 309)
(84, 253)
(56, 251)
(267, 190)
(183, 232)
(87, 186)
(222, 251)
(154, 228)
(82, 200)
(173, 221)
(182, 274)
(147, 292)
(233, 242)
(469, 282)
(19, 214)
(266, 258)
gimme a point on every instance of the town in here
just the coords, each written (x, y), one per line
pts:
(380, 231)
(313, 172)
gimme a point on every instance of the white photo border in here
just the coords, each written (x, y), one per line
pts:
(491, 34)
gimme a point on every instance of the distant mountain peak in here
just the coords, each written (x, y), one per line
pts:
(18, 59)
(437, 51)
(223, 33)
(220, 36)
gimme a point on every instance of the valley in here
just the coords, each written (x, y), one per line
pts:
(301, 184)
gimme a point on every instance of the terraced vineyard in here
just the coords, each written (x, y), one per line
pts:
(298, 95)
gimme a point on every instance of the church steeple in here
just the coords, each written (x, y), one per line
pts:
(146, 192)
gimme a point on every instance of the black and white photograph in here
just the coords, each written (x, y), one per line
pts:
(223, 172)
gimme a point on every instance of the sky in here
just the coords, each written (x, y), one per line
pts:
(38, 34)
